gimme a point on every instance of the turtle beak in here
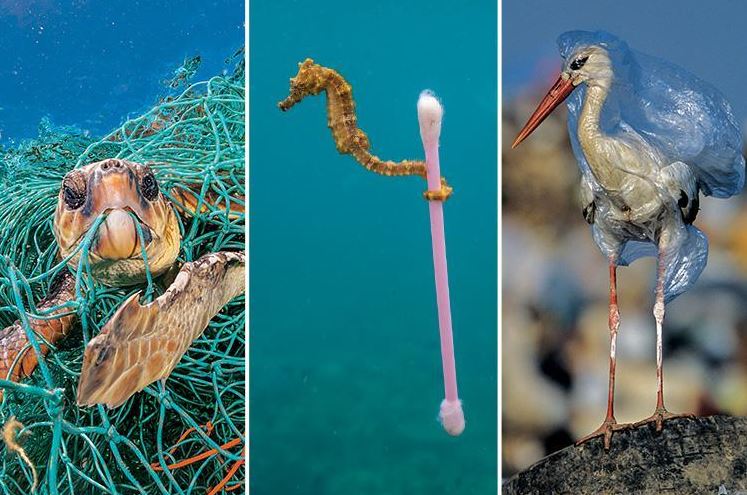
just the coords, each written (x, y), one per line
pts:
(117, 238)
(557, 94)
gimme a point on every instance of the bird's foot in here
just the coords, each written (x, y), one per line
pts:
(609, 426)
(660, 415)
(440, 195)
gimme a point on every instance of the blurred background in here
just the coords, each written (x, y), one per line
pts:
(555, 339)
(345, 360)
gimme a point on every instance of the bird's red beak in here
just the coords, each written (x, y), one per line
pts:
(559, 92)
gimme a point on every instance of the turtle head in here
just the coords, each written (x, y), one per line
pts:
(127, 193)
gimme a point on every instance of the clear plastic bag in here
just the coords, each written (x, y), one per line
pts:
(671, 116)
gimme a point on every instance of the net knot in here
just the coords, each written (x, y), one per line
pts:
(82, 308)
(54, 402)
(113, 434)
(217, 369)
(165, 398)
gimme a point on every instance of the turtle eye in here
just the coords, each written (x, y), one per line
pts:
(149, 186)
(74, 190)
(578, 63)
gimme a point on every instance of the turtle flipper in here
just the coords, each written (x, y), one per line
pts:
(143, 344)
(17, 358)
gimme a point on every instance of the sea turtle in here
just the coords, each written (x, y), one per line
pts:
(131, 224)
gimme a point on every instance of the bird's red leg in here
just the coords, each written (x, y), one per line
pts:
(609, 424)
(661, 413)
(614, 325)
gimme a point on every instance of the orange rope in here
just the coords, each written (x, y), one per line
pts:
(198, 457)
(228, 476)
(186, 462)
(208, 430)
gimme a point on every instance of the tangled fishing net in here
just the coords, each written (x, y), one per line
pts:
(184, 436)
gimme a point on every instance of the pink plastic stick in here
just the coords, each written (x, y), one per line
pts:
(430, 113)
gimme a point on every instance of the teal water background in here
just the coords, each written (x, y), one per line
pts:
(345, 366)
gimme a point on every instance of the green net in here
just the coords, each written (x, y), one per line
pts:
(192, 140)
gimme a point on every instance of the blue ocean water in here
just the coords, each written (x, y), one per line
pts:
(91, 64)
(345, 367)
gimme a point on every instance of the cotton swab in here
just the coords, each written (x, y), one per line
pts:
(430, 113)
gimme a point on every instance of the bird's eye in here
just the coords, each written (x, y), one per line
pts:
(578, 63)
(149, 186)
(74, 190)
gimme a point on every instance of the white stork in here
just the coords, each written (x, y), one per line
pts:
(649, 138)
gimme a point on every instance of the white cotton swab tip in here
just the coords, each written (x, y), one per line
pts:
(430, 113)
(452, 417)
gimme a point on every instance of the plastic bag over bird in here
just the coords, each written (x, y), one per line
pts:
(684, 118)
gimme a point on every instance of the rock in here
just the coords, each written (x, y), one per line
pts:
(690, 456)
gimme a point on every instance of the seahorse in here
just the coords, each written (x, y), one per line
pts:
(311, 80)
